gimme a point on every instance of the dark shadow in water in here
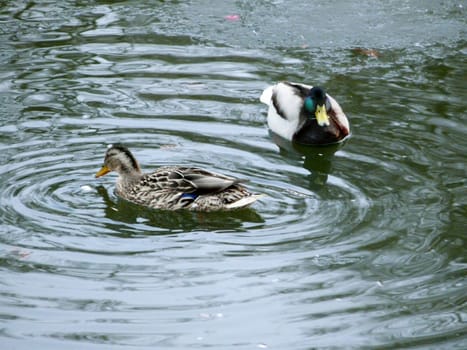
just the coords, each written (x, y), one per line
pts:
(180, 220)
(317, 159)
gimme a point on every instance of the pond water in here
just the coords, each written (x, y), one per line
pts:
(359, 246)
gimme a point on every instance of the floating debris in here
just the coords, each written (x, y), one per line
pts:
(22, 254)
(366, 52)
(232, 18)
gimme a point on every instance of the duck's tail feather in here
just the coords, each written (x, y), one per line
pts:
(266, 96)
(244, 202)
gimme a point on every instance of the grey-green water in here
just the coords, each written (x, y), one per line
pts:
(364, 248)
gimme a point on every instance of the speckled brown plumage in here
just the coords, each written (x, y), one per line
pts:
(174, 187)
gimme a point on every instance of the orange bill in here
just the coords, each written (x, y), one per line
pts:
(104, 170)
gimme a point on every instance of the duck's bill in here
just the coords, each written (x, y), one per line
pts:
(322, 116)
(104, 170)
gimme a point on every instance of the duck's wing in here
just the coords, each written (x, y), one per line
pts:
(338, 116)
(189, 180)
(285, 98)
(282, 90)
(207, 182)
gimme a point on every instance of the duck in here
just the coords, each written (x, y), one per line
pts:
(174, 187)
(304, 114)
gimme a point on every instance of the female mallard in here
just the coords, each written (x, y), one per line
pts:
(304, 114)
(174, 187)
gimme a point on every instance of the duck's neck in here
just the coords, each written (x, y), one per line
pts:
(128, 178)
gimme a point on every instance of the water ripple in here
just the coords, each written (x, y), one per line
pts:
(357, 246)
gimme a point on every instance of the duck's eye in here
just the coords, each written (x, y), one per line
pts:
(309, 104)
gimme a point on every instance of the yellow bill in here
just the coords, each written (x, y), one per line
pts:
(321, 116)
(104, 170)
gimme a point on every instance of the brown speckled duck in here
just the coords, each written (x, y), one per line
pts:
(174, 187)
(304, 114)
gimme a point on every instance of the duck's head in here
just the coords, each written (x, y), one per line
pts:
(316, 104)
(119, 158)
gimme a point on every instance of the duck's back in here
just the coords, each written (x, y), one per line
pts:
(174, 187)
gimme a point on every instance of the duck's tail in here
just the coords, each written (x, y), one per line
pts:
(266, 96)
(244, 202)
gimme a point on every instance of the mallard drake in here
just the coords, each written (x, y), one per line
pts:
(174, 187)
(304, 114)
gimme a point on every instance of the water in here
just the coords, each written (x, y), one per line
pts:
(361, 246)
